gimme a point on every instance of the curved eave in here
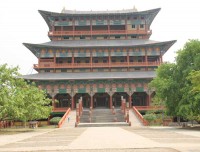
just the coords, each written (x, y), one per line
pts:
(166, 46)
(32, 48)
(152, 13)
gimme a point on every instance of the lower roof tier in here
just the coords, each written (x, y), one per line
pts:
(93, 45)
(91, 75)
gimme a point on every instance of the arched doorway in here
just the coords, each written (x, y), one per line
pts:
(116, 99)
(139, 99)
(64, 100)
(85, 99)
(101, 100)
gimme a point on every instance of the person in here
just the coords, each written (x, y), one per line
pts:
(68, 118)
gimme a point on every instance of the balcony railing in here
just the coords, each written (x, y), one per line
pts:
(99, 32)
(95, 65)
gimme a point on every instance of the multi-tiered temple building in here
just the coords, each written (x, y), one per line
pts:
(100, 56)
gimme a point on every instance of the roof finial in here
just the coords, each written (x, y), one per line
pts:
(63, 10)
(134, 9)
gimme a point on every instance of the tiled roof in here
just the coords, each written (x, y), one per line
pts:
(90, 75)
(98, 43)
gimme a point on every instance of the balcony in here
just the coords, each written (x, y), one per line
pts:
(52, 65)
(99, 32)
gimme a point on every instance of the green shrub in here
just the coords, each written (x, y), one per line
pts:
(55, 120)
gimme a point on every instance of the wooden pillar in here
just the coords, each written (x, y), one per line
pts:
(72, 104)
(128, 60)
(73, 26)
(91, 28)
(109, 60)
(91, 60)
(110, 101)
(91, 101)
(126, 27)
(149, 100)
(146, 61)
(130, 101)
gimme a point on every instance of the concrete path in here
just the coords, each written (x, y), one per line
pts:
(103, 139)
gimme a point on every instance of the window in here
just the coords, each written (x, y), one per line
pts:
(95, 61)
(87, 61)
(104, 61)
(46, 70)
(117, 37)
(78, 61)
(82, 37)
(137, 69)
(133, 36)
(142, 17)
(135, 17)
(69, 61)
(63, 70)
(133, 26)
(122, 60)
(113, 60)
(141, 25)
(66, 37)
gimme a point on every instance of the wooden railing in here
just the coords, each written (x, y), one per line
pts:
(64, 118)
(94, 65)
(140, 117)
(149, 107)
(98, 32)
(60, 109)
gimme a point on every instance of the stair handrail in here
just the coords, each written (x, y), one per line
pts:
(141, 118)
(64, 118)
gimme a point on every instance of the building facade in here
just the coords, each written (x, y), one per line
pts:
(101, 56)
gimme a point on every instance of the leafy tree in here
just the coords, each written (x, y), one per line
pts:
(177, 84)
(19, 99)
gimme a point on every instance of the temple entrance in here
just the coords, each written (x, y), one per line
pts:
(101, 100)
(117, 98)
(64, 100)
(139, 99)
(85, 99)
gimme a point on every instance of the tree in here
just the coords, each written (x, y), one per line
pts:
(19, 99)
(177, 85)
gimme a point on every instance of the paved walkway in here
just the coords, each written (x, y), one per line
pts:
(102, 139)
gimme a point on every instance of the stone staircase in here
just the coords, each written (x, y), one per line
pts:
(102, 117)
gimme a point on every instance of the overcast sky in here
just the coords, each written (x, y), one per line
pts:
(20, 22)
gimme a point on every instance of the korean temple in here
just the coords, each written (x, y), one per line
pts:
(99, 56)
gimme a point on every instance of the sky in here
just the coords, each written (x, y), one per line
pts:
(20, 22)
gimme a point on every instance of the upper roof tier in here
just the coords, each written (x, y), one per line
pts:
(51, 17)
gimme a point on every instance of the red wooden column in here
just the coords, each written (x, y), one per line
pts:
(72, 100)
(128, 59)
(146, 61)
(129, 100)
(109, 58)
(126, 27)
(91, 101)
(148, 102)
(91, 61)
(91, 28)
(110, 101)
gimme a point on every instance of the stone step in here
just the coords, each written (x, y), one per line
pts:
(111, 124)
